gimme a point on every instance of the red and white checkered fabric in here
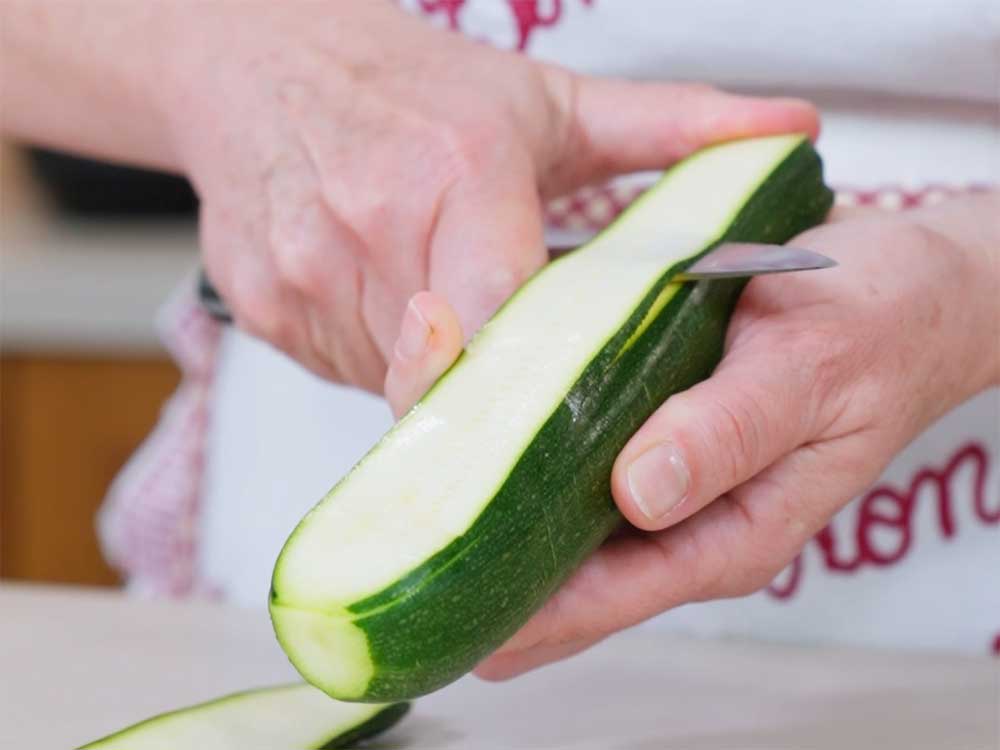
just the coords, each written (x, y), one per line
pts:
(149, 522)
(591, 208)
(895, 198)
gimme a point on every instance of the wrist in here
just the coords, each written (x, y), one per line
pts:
(970, 228)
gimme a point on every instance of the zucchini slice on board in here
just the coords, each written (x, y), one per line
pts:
(473, 509)
(290, 717)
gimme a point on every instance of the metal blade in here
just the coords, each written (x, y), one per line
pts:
(735, 259)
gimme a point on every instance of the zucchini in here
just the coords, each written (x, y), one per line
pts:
(291, 717)
(474, 508)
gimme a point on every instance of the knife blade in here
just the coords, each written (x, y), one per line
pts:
(735, 259)
(728, 260)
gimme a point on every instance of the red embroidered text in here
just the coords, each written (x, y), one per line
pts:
(528, 15)
(886, 512)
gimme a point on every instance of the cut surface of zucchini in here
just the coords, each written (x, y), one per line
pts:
(290, 717)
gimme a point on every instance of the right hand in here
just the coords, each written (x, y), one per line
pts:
(348, 156)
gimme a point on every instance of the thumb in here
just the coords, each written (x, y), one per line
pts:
(709, 439)
(625, 126)
(488, 240)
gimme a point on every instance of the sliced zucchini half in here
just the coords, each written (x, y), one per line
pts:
(290, 717)
(473, 509)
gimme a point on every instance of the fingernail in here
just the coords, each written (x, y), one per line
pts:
(414, 334)
(658, 480)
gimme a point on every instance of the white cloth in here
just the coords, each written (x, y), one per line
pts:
(909, 95)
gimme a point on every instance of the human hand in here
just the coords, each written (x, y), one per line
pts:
(826, 376)
(348, 156)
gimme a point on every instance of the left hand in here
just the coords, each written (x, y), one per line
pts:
(826, 376)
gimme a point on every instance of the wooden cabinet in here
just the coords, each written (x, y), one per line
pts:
(67, 425)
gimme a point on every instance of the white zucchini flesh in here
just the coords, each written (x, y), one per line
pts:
(289, 717)
(490, 405)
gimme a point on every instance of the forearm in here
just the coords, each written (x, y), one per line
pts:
(88, 77)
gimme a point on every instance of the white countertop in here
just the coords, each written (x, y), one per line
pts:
(89, 286)
(78, 663)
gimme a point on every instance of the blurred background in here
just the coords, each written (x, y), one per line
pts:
(88, 253)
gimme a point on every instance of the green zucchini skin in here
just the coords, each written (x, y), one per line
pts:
(380, 722)
(555, 507)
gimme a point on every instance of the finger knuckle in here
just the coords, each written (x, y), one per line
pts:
(721, 573)
(372, 213)
(470, 147)
(746, 581)
(755, 565)
(708, 566)
(257, 309)
(761, 574)
(301, 266)
(265, 321)
(747, 577)
(737, 425)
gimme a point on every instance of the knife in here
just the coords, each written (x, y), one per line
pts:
(734, 259)
(728, 260)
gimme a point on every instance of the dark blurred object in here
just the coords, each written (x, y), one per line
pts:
(91, 188)
(211, 300)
